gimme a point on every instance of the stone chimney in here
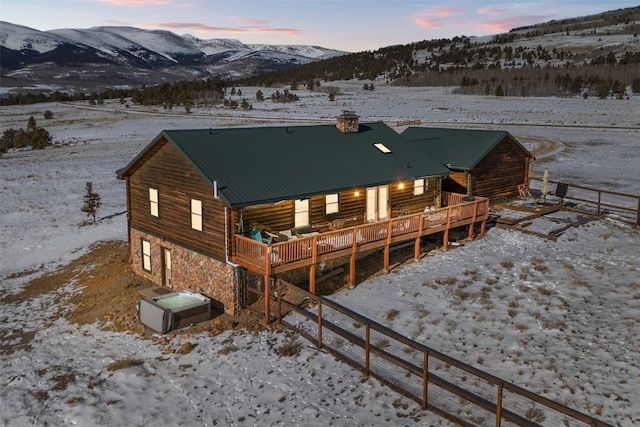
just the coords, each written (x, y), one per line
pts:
(348, 122)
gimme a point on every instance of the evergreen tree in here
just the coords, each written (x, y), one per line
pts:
(310, 84)
(91, 201)
(31, 123)
(40, 138)
(259, 95)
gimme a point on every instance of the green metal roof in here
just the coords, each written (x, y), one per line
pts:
(458, 148)
(268, 164)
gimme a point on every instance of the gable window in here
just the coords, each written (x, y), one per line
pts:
(196, 214)
(418, 187)
(301, 214)
(153, 201)
(146, 255)
(331, 204)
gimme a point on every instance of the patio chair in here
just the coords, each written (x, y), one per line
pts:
(337, 224)
(257, 236)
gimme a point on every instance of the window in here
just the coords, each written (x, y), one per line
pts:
(301, 214)
(331, 203)
(377, 201)
(146, 255)
(383, 148)
(196, 214)
(153, 201)
(418, 187)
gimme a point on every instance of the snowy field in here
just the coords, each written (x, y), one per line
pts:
(558, 318)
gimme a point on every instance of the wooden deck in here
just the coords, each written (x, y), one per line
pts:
(266, 260)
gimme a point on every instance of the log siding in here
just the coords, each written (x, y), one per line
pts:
(177, 183)
(496, 176)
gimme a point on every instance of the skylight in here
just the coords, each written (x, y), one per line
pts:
(383, 148)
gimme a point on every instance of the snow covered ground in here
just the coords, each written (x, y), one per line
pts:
(558, 318)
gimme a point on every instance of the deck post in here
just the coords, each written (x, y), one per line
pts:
(352, 259)
(267, 286)
(267, 299)
(445, 242)
(279, 298)
(386, 247)
(475, 213)
(483, 224)
(312, 267)
(416, 249)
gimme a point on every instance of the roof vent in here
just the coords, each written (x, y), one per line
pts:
(348, 122)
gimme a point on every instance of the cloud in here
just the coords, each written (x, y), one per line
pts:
(509, 23)
(489, 10)
(509, 16)
(138, 2)
(204, 28)
(431, 17)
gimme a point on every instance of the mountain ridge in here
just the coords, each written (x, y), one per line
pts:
(30, 54)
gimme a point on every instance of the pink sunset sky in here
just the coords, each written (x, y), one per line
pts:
(352, 26)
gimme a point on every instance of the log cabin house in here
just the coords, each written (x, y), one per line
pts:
(486, 163)
(206, 208)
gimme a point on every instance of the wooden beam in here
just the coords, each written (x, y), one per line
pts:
(329, 275)
(416, 249)
(312, 267)
(267, 286)
(267, 299)
(445, 243)
(352, 258)
(385, 267)
(475, 213)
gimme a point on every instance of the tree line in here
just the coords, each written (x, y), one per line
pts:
(32, 136)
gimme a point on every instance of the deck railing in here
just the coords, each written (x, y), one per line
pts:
(363, 237)
(625, 206)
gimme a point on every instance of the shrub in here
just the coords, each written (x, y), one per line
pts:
(392, 314)
(290, 347)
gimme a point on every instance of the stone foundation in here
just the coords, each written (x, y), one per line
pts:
(189, 270)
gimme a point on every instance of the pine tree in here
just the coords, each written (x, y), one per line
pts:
(91, 201)
(31, 123)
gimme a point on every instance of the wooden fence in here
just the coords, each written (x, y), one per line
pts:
(625, 206)
(446, 386)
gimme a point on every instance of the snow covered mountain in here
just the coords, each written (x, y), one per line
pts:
(27, 52)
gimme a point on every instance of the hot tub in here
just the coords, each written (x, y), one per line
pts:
(174, 310)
